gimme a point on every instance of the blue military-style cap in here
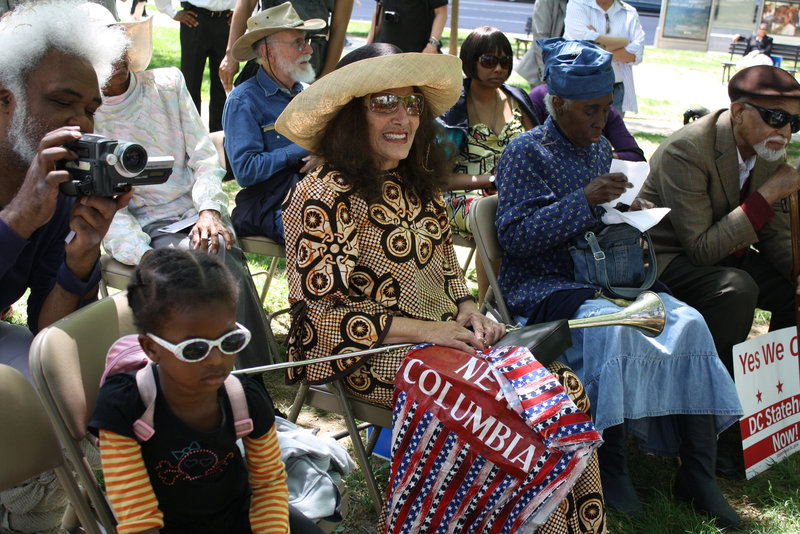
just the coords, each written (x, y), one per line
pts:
(576, 70)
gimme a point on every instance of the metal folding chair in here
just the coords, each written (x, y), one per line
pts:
(29, 446)
(67, 360)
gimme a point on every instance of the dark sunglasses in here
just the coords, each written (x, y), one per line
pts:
(197, 349)
(387, 103)
(490, 61)
(777, 118)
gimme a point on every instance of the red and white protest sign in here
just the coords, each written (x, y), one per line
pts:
(768, 383)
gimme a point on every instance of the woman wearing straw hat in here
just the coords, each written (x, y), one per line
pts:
(375, 208)
(369, 255)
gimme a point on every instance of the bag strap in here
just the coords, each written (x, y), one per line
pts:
(242, 422)
(602, 276)
(146, 383)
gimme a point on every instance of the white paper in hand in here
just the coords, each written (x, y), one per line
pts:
(636, 172)
(642, 220)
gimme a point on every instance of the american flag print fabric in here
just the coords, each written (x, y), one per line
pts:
(489, 443)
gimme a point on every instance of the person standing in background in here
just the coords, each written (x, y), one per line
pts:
(547, 21)
(613, 25)
(204, 35)
(411, 25)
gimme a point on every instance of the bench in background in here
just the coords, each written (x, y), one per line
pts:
(783, 55)
(528, 39)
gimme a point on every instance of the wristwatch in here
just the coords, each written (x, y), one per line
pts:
(434, 42)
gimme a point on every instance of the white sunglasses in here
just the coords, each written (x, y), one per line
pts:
(197, 349)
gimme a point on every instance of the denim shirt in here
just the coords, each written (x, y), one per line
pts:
(256, 152)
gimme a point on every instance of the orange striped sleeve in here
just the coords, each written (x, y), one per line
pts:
(128, 485)
(269, 508)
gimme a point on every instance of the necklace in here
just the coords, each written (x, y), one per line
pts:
(494, 115)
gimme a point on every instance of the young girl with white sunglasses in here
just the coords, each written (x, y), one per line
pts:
(189, 476)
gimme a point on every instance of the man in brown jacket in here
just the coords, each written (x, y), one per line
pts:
(725, 246)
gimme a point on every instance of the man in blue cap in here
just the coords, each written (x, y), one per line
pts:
(673, 393)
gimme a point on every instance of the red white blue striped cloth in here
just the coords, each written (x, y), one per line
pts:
(488, 443)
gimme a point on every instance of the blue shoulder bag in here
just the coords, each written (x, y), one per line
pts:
(618, 257)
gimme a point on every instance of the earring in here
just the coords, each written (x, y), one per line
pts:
(427, 155)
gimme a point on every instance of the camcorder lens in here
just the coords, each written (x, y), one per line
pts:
(132, 158)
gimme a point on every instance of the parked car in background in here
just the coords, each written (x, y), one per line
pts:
(646, 6)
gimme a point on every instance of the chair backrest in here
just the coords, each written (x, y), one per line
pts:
(67, 360)
(28, 443)
(481, 220)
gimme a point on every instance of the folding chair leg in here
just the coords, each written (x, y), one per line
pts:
(358, 446)
(373, 439)
(468, 261)
(270, 273)
(271, 341)
(299, 399)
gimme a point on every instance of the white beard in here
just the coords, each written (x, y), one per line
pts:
(298, 71)
(22, 132)
(770, 154)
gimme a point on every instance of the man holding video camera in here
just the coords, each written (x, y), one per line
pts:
(52, 64)
(49, 92)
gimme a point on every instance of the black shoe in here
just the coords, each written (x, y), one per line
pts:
(695, 481)
(706, 498)
(618, 489)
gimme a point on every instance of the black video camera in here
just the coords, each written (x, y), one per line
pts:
(107, 167)
(391, 16)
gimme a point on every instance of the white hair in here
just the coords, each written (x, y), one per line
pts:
(29, 32)
(548, 104)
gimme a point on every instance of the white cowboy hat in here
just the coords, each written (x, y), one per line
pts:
(267, 22)
(438, 77)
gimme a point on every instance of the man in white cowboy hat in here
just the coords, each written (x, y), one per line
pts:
(50, 78)
(190, 210)
(265, 163)
(204, 35)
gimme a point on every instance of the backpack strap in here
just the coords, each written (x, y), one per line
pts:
(242, 422)
(146, 382)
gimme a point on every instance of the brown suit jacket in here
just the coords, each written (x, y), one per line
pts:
(695, 172)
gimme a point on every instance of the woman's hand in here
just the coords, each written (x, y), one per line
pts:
(641, 204)
(485, 329)
(606, 188)
(451, 334)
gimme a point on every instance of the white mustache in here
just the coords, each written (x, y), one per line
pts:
(776, 139)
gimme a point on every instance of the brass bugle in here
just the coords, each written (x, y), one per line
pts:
(647, 314)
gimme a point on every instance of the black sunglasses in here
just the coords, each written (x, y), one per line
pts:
(778, 118)
(490, 61)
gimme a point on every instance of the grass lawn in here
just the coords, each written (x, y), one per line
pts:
(770, 503)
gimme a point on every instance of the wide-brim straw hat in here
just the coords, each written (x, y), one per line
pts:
(267, 22)
(140, 33)
(438, 77)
